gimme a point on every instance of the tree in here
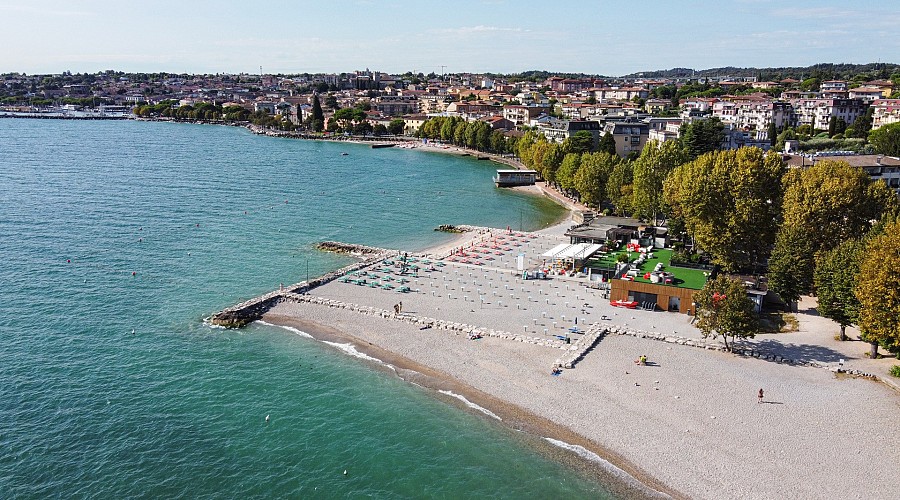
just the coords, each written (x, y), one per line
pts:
(833, 199)
(723, 308)
(498, 143)
(345, 116)
(877, 290)
(581, 142)
(317, 114)
(832, 126)
(568, 169)
(835, 279)
(551, 161)
(607, 143)
(396, 126)
(862, 125)
(773, 134)
(590, 181)
(650, 170)
(886, 139)
(703, 136)
(619, 186)
(730, 202)
(791, 264)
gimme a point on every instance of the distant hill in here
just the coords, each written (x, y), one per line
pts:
(822, 71)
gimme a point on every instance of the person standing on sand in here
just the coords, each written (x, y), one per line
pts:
(400, 307)
(760, 396)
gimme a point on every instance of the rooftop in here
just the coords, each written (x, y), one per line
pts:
(685, 277)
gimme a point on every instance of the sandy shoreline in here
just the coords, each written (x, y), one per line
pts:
(689, 425)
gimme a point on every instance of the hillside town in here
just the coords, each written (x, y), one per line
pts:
(634, 110)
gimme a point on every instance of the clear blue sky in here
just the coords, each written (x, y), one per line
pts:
(603, 37)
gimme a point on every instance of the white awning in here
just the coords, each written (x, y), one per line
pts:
(557, 249)
(579, 251)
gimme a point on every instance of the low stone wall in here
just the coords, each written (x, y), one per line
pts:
(425, 322)
(739, 351)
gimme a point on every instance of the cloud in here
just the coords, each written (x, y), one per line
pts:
(470, 30)
(27, 9)
(817, 13)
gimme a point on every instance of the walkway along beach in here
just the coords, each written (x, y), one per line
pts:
(688, 424)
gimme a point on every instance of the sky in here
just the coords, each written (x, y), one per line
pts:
(611, 38)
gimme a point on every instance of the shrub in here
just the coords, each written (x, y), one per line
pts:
(895, 370)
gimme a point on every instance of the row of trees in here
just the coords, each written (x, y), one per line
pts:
(839, 238)
(476, 134)
(744, 208)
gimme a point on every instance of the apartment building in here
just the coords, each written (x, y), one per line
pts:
(818, 112)
(885, 112)
(753, 114)
(630, 136)
(521, 114)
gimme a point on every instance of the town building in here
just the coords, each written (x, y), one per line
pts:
(630, 136)
(885, 112)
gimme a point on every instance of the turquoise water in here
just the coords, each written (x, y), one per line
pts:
(109, 227)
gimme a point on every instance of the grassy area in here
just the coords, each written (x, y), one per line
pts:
(684, 277)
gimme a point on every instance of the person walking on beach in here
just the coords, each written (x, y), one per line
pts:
(400, 307)
(760, 396)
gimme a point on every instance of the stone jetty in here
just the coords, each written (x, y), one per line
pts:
(240, 315)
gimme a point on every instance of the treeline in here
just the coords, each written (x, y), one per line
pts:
(477, 135)
(210, 112)
(596, 176)
(826, 71)
(828, 229)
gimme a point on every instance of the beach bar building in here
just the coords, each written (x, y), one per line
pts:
(507, 178)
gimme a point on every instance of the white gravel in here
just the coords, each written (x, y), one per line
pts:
(691, 420)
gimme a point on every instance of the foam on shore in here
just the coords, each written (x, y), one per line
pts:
(288, 328)
(471, 404)
(590, 456)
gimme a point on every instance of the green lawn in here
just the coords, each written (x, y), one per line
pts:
(684, 277)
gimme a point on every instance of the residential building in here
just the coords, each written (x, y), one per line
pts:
(879, 167)
(833, 85)
(560, 130)
(818, 112)
(396, 105)
(866, 93)
(885, 112)
(630, 136)
(522, 115)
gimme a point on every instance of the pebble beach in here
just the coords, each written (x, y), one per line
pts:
(686, 425)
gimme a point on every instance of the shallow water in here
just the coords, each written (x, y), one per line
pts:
(112, 227)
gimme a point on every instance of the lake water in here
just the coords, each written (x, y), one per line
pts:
(109, 228)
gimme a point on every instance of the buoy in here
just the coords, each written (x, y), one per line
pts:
(132, 331)
(133, 273)
(68, 261)
(267, 418)
(345, 472)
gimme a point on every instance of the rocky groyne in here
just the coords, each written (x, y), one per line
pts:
(240, 315)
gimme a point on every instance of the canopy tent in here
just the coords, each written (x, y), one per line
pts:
(577, 251)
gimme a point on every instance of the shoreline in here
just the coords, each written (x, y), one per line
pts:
(614, 472)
